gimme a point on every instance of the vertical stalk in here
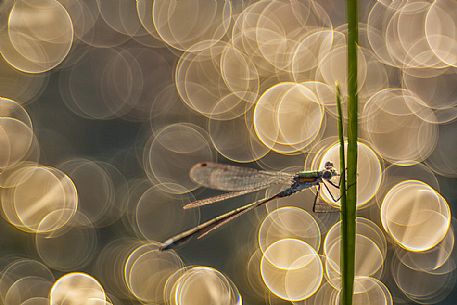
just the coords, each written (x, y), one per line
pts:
(342, 157)
(349, 210)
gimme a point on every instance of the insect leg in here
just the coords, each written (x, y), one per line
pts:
(315, 198)
(339, 182)
(331, 195)
(335, 185)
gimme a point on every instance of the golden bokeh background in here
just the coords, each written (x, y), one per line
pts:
(105, 105)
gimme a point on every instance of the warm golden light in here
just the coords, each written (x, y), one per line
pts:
(416, 216)
(427, 287)
(435, 260)
(286, 267)
(76, 288)
(147, 270)
(204, 285)
(172, 151)
(207, 82)
(370, 251)
(120, 122)
(39, 35)
(371, 291)
(156, 208)
(289, 222)
(287, 117)
(39, 192)
(236, 139)
(396, 128)
(368, 169)
(183, 31)
(23, 280)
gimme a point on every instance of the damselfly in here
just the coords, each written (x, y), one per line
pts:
(237, 181)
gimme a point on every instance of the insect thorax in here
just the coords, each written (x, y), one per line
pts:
(308, 174)
(307, 177)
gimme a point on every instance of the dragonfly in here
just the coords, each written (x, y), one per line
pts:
(238, 181)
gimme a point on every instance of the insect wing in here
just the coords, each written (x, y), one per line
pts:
(322, 207)
(218, 198)
(235, 178)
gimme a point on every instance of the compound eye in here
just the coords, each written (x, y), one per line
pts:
(327, 175)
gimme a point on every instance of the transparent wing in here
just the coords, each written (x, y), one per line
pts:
(218, 198)
(322, 207)
(234, 178)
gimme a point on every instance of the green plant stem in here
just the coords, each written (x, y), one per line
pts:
(348, 228)
(342, 157)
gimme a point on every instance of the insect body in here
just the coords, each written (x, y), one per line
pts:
(238, 181)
